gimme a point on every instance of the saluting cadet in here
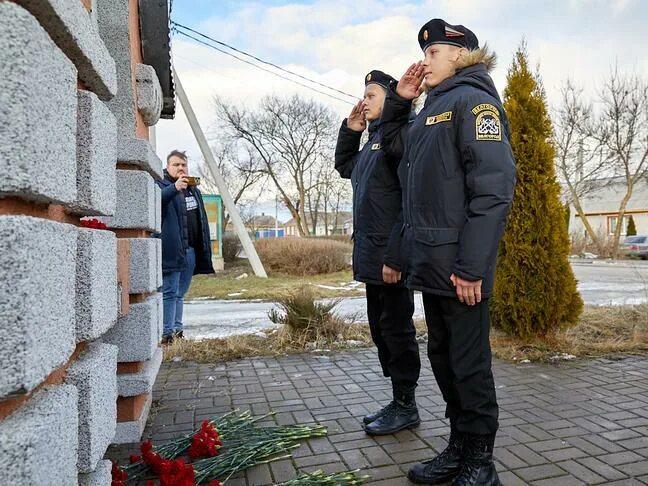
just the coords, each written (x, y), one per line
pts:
(457, 176)
(376, 209)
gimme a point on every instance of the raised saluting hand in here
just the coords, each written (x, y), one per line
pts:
(409, 86)
(356, 120)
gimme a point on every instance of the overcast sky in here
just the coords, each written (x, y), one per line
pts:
(338, 42)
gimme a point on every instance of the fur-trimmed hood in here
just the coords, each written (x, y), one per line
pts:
(481, 55)
(475, 74)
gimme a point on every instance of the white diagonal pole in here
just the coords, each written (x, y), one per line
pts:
(239, 227)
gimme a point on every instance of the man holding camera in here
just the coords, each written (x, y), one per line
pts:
(186, 246)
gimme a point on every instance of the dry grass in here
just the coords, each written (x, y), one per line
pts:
(581, 244)
(304, 256)
(277, 343)
(602, 331)
(306, 319)
(222, 284)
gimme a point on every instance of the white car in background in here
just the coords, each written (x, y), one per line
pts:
(635, 246)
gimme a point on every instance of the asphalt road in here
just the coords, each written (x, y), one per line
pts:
(600, 283)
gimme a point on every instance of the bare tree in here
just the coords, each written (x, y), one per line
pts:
(578, 159)
(621, 129)
(290, 136)
(331, 194)
(607, 141)
(239, 166)
(338, 197)
(316, 198)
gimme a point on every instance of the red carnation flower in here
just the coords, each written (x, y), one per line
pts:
(93, 224)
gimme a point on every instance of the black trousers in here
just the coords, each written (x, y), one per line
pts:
(460, 355)
(390, 311)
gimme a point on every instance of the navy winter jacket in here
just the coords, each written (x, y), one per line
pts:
(458, 177)
(175, 235)
(376, 198)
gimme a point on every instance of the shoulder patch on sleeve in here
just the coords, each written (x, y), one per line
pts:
(484, 107)
(487, 122)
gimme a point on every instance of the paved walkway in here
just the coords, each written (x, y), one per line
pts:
(578, 422)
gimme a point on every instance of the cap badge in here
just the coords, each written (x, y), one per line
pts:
(449, 32)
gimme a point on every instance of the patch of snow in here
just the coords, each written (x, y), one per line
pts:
(330, 287)
(563, 357)
(354, 344)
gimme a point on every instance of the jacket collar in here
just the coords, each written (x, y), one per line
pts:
(463, 76)
(373, 126)
(167, 177)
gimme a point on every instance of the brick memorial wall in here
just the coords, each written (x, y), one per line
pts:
(80, 308)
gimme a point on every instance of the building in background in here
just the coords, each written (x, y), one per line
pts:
(82, 83)
(327, 225)
(264, 226)
(601, 207)
(214, 209)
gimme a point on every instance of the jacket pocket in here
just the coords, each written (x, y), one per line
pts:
(436, 236)
(432, 257)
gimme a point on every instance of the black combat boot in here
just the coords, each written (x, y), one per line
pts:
(442, 468)
(400, 414)
(477, 467)
(367, 419)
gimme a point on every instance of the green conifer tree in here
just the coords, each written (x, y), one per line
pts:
(535, 288)
(632, 229)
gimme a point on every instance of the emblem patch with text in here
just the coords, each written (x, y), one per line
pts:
(487, 122)
(441, 117)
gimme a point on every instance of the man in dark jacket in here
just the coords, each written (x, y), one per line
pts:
(186, 246)
(376, 208)
(458, 178)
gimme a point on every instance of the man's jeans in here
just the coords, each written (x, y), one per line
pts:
(174, 287)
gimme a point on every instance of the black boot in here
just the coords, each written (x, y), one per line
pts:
(367, 419)
(443, 467)
(399, 414)
(477, 467)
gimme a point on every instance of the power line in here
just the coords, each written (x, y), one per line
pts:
(176, 24)
(261, 60)
(262, 68)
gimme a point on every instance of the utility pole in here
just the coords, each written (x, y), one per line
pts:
(239, 227)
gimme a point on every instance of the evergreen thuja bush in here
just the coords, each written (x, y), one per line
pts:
(535, 288)
(632, 229)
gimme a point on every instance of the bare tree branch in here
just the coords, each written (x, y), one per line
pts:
(291, 137)
(605, 144)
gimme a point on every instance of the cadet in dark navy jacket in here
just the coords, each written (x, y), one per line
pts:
(376, 208)
(458, 178)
